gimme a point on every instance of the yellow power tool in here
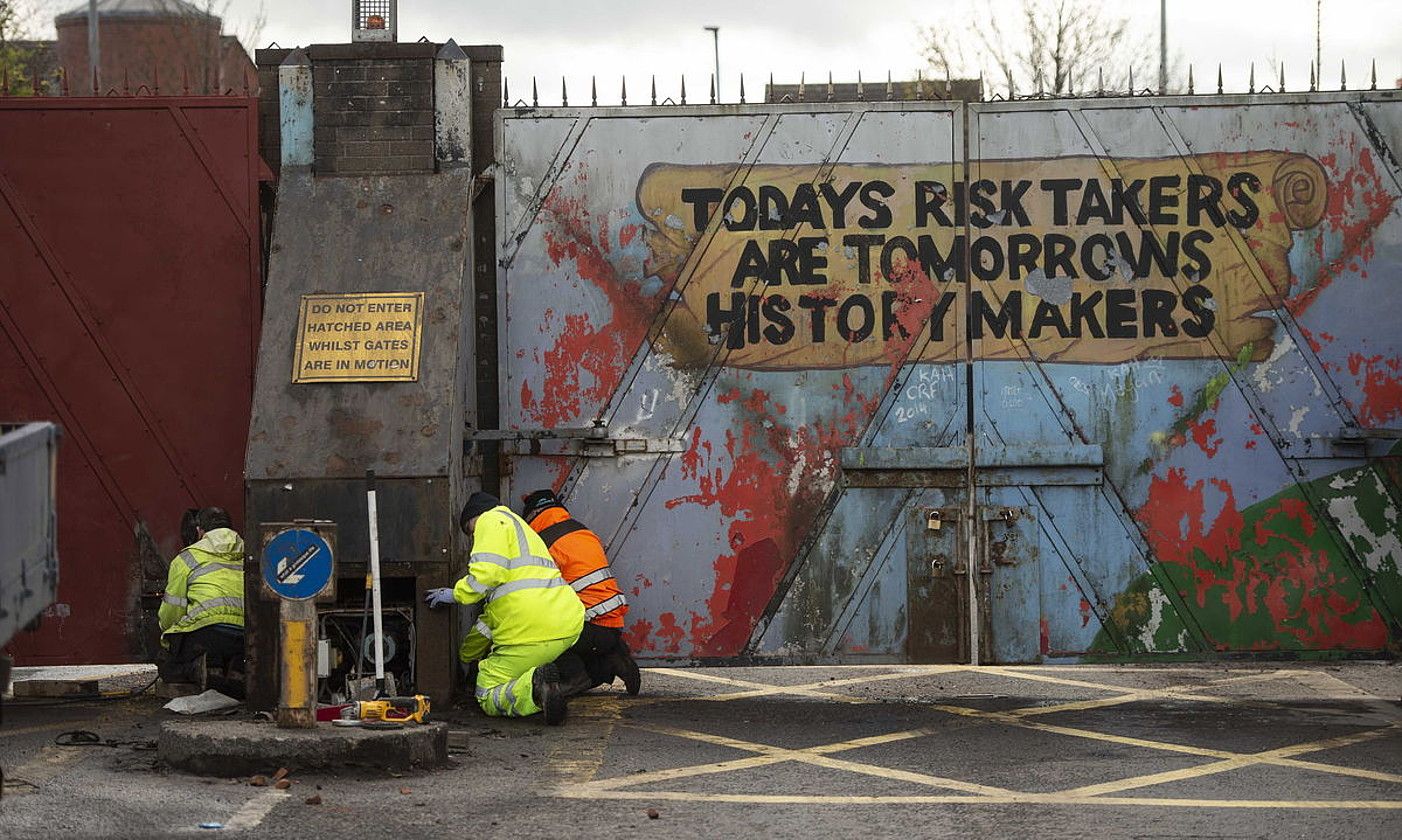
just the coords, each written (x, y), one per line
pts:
(389, 709)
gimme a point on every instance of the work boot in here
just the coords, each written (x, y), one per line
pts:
(626, 669)
(547, 694)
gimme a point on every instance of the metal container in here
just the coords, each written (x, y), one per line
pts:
(997, 382)
(28, 525)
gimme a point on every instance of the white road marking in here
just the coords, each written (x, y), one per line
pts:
(252, 812)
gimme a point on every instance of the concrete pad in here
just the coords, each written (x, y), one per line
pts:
(67, 680)
(232, 747)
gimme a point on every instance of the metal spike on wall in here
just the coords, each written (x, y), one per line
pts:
(1373, 85)
(1131, 80)
(919, 84)
(949, 84)
(505, 92)
(594, 91)
(1282, 77)
(1343, 76)
(1313, 80)
(1190, 80)
(654, 89)
(564, 94)
(535, 94)
(1251, 80)
(713, 88)
(1219, 78)
(769, 91)
(683, 88)
(889, 94)
(829, 85)
(742, 88)
(861, 91)
(623, 95)
(800, 87)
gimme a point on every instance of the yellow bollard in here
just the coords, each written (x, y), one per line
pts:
(297, 702)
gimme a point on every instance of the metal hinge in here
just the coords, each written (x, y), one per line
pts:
(590, 442)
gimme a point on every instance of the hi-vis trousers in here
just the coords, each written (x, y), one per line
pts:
(504, 677)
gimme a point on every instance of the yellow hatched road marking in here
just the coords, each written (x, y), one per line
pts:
(977, 793)
(947, 799)
(762, 689)
(818, 756)
(1245, 760)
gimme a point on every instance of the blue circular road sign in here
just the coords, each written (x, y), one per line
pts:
(297, 564)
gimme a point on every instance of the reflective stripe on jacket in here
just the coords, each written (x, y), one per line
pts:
(526, 599)
(580, 556)
(205, 584)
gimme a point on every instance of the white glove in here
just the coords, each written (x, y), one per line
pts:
(439, 597)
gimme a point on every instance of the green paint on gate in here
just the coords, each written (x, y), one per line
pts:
(1275, 577)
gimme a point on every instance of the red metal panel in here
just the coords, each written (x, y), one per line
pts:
(129, 309)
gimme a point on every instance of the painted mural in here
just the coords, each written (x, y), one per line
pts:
(765, 292)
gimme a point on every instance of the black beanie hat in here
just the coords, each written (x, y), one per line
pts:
(477, 504)
(538, 502)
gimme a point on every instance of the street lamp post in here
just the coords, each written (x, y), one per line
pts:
(1163, 48)
(715, 36)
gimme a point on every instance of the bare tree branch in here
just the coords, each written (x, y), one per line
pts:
(1057, 47)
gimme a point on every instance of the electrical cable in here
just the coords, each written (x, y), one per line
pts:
(88, 738)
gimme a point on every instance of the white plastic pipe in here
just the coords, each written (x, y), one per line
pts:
(375, 580)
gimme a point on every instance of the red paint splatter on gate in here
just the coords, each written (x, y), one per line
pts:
(768, 481)
(1085, 612)
(1351, 187)
(670, 633)
(638, 635)
(1044, 638)
(590, 354)
(1173, 517)
(1203, 433)
(1378, 378)
(1175, 397)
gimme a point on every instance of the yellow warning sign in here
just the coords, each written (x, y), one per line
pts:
(370, 337)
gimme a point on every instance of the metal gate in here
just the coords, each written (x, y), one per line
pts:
(1005, 382)
(129, 314)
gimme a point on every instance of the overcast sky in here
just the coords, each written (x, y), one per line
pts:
(608, 38)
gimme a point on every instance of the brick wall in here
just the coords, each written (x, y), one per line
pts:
(174, 54)
(373, 108)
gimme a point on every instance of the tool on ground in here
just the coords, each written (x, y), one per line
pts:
(374, 517)
(390, 709)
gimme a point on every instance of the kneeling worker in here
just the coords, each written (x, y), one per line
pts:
(580, 556)
(201, 613)
(530, 616)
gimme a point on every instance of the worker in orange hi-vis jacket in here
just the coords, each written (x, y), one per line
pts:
(584, 566)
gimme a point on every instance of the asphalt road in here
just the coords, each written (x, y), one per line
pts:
(1289, 750)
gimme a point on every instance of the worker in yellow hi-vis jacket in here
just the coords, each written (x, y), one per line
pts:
(201, 613)
(529, 617)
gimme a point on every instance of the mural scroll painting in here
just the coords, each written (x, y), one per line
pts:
(759, 346)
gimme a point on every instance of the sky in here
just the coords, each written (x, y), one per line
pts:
(577, 39)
